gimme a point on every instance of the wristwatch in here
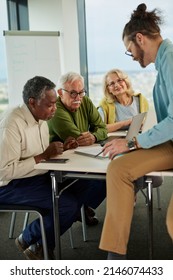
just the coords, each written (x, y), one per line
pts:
(131, 144)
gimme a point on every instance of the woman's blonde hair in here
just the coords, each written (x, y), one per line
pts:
(121, 75)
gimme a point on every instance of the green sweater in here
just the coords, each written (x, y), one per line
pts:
(66, 123)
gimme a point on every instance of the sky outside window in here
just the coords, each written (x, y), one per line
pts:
(3, 68)
(105, 22)
(3, 26)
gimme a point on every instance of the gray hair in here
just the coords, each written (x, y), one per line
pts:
(69, 77)
(36, 88)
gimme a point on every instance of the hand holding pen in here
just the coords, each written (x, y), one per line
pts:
(98, 154)
(115, 147)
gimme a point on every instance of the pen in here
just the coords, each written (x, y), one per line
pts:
(98, 154)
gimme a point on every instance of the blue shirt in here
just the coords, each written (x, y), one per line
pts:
(126, 112)
(163, 99)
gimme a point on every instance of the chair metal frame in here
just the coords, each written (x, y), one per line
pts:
(84, 230)
(149, 203)
(26, 219)
(10, 208)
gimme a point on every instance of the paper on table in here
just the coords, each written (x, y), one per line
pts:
(91, 151)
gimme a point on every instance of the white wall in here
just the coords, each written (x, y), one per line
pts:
(58, 15)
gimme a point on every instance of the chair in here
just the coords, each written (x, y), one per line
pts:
(149, 183)
(10, 208)
(158, 197)
(83, 228)
(149, 202)
(13, 219)
(12, 223)
(141, 184)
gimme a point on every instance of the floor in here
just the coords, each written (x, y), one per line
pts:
(138, 243)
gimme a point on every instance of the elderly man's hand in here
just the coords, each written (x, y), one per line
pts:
(54, 149)
(86, 139)
(70, 143)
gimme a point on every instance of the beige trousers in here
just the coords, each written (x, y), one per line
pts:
(121, 173)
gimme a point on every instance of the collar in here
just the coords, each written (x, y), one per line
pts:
(29, 118)
(166, 44)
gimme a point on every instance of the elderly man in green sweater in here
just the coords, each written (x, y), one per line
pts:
(77, 116)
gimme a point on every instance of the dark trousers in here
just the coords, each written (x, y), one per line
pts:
(37, 191)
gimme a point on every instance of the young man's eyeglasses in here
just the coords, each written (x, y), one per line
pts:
(127, 52)
(112, 84)
(74, 94)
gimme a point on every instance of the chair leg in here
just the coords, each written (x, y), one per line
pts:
(158, 197)
(142, 191)
(150, 216)
(25, 220)
(12, 224)
(83, 228)
(83, 223)
(71, 237)
(44, 241)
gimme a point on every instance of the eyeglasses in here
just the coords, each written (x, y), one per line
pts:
(127, 52)
(112, 84)
(74, 94)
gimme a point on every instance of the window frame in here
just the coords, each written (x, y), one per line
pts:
(17, 11)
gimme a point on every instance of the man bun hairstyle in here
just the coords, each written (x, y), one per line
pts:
(144, 22)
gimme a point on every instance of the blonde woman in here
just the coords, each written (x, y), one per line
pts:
(120, 103)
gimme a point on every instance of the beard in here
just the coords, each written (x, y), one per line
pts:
(140, 56)
(141, 59)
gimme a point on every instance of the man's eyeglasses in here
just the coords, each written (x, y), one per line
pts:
(74, 94)
(127, 52)
(112, 84)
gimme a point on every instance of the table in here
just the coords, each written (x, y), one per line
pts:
(77, 167)
(84, 167)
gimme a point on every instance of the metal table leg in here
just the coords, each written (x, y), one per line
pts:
(55, 197)
(150, 216)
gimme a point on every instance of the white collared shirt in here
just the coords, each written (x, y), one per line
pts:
(21, 138)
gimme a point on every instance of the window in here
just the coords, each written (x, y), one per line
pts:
(3, 70)
(18, 14)
(17, 19)
(105, 20)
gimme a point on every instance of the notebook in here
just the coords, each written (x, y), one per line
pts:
(91, 151)
(133, 130)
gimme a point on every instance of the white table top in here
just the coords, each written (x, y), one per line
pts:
(80, 163)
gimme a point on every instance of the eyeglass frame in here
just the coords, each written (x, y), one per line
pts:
(74, 94)
(118, 81)
(127, 52)
(133, 36)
